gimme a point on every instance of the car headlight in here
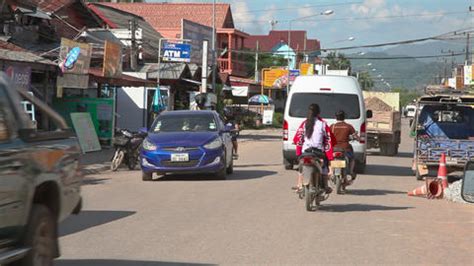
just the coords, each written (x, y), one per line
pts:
(215, 144)
(147, 145)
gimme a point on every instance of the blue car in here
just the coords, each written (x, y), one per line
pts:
(187, 142)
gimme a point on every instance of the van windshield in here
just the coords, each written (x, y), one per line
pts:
(328, 103)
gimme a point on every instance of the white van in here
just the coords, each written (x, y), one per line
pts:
(410, 111)
(331, 93)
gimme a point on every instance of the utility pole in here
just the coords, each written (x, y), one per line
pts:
(133, 47)
(467, 61)
(204, 67)
(214, 59)
(256, 64)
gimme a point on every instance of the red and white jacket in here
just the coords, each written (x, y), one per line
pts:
(329, 140)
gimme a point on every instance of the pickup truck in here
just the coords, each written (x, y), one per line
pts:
(39, 181)
(444, 123)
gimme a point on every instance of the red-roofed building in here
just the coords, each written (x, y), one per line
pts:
(166, 18)
(275, 38)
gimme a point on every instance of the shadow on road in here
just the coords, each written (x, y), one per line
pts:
(258, 165)
(103, 262)
(89, 219)
(237, 175)
(359, 208)
(259, 137)
(372, 192)
(376, 153)
(94, 181)
(385, 170)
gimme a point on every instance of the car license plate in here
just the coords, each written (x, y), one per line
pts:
(450, 160)
(179, 157)
(338, 164)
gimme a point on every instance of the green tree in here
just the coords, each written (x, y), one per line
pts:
(365, 81)
(406, 96)
(337, 61)
(265, 60)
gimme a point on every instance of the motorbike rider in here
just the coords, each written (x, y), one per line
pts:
(343, 133)
(314, 133)
(235, 128)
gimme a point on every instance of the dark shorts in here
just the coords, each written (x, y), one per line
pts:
(349, 154)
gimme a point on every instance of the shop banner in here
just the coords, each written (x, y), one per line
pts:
(112, 65)
(176, 52)
(306, 69)
(468, 75)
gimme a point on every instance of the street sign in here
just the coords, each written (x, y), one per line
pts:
(307, 69)
(112, 65)
(272, 78)
(176, 52)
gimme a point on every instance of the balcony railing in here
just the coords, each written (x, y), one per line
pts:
(237, 68)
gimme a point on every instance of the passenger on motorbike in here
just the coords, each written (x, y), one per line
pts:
(343, 133)
(314, 133)
(235, 128)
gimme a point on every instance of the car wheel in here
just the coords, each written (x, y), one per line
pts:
(147, 176)
(40, 235)
(230, 168)
(222, 172)
(288, 164)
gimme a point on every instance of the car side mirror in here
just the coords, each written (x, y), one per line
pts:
(467, 189)
(369, 114)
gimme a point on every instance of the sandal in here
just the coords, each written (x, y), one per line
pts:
(328, 190)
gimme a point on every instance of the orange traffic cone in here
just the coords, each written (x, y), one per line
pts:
(442, 171)
(435, 189)
(420, 191)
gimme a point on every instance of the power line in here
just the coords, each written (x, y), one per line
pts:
(300, 7)
(368, 18)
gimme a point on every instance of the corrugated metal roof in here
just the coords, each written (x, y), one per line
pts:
(119, 19)
(172, 71)
(23, 57)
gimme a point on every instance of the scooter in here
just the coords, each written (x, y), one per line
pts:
(127, 148)
(340, 169)
(314, 190)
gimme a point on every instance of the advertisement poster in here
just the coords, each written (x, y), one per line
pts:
(85, 132)
(74, 62)
(20, 76)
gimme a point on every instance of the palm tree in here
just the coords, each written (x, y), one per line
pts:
(337, 61)
(365, 81)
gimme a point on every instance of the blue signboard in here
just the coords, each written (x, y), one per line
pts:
(176, 52)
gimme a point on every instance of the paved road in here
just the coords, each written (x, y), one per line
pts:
(253, 217)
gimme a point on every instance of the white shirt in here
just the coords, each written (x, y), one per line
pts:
(316, 140)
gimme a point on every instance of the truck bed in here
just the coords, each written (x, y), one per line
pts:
(458, 152)
(384, 122)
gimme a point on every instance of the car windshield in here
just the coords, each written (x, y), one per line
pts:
(328, 103)
(185, 122)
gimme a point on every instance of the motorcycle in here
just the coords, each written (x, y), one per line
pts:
(340, 169)
(127, 148)
(314, 190)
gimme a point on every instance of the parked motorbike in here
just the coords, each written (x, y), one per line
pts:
(340, 169)
(127, 148)
(314, 191)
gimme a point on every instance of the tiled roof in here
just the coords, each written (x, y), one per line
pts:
(268, 42)
(168, 16)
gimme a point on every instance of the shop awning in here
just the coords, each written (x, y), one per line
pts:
(123, 80)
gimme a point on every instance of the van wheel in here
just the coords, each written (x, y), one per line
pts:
(288, 164)
(360, 167)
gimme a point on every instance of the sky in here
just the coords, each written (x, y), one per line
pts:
(368, 21)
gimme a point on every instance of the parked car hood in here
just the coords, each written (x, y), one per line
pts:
(184, 139)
